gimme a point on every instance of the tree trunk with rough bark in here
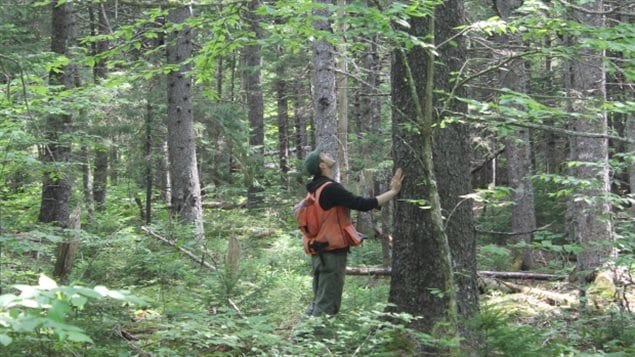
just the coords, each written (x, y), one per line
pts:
(591, 225)
(149, 121)
(422, 262)
(100, 173)
(66, 251)
(251, 64)
(324, 93)
(342, 94)
(514, 76)
(283, 122)
(186, 191)
(57, 182)
(630, 133)
(100, 176)
(87, 182)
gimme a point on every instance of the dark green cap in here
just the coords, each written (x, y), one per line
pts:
(312, 162)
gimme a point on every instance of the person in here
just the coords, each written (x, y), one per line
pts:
(329, 262)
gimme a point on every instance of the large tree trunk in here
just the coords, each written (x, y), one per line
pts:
(251, 59)
(56, 188)
(591, 224)
(186, 191)
(420, 259)
(517, 148)
(324, 95)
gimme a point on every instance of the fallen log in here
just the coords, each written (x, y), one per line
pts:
(490, 274)
(550, 297)
(194, 257)
(521, 275)
(223, 205)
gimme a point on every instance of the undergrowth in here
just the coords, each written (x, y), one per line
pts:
(253, 302)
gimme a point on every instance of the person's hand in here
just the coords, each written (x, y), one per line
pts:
(395, 183)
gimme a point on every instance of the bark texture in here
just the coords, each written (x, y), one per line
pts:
(251, 58)
(66, 251)
(283, 124)
(514, 76)
(56, 187)
(100, 176)
(342, 94)
(418, 267)
(100, 173)
(591, 225)
(630, 133)
(324, 94)
(186, 191)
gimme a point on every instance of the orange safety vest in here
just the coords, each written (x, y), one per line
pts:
(336, 228)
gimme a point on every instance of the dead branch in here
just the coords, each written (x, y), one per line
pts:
(194, 257)
(223, 205)
(543, 228)
(487, 159)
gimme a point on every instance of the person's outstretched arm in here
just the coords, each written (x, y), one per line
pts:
(395, 187)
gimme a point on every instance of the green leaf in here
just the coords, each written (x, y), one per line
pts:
(79, 337)
(5, 340)
(78, 300)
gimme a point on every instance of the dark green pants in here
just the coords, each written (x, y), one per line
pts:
(329, 269)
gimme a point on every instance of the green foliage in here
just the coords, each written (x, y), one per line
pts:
(493, 257)
(498, 334)
(42, 310)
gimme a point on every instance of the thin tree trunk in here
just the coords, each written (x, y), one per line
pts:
(186, 191)
(163, 172)
(112, 165)
(283, 123)
(342, 95)
(630, 133)
(324, 95)
(87, 182)
(251, 58)
(66, 251)
(100, 176)
(148, 160)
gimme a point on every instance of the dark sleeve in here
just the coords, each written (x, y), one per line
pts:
(336, 195)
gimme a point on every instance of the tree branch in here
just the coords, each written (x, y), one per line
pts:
(194, 257)
(517, 233)
(561, 131)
